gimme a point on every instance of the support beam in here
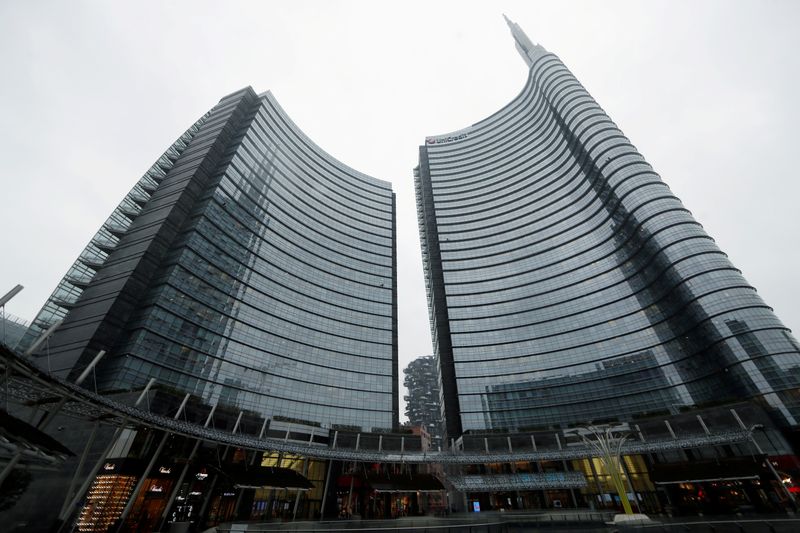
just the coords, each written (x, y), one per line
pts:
(297, 497)
(630, 483)
(213, 483)
(238, 421)
(90, 367)
(176, 489)
(52, 414)
(327, 482)
(350, 492)
(43, 337)
(69, 505)
(138, 488)
(703, 424)
(260, 436)
(263, 428)
(9, 467)
(84, 455)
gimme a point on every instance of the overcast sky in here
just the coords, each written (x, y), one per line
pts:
(93, 92)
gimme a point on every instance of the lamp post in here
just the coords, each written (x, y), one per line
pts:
(608, 447)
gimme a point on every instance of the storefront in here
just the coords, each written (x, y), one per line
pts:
(406, 495)
(385, 492)
(601, 494)
(519, 490)
(723, 486)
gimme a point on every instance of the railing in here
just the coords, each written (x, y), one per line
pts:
(30, 384)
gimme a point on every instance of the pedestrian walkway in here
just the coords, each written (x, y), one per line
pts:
(583, 521)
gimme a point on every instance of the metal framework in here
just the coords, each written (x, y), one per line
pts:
(519, 481)
(25, 383)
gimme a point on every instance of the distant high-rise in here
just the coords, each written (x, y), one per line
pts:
(423, 406)
(247, 267)
(567, 284)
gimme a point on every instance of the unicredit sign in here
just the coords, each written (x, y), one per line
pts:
(448, 139)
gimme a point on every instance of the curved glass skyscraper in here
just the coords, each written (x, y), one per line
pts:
(566, 282)
(249, 268)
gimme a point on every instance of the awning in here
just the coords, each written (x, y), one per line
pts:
(19, 432)
(266, 477)
(405, 483)
(727, 469)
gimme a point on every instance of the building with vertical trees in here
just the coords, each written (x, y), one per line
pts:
(567, 284)
(423, 405)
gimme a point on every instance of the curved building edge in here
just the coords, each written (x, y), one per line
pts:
(257, 274)
(639, 312)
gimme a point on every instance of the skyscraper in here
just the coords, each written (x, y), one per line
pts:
(567, 284)
(247, 267)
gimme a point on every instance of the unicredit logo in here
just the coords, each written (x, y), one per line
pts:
(449, 138)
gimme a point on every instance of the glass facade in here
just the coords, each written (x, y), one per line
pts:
(277, 292)
(567, 284)
(94, 255)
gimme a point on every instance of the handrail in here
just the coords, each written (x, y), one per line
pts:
(30, 384)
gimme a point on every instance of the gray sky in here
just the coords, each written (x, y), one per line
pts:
(93, 92)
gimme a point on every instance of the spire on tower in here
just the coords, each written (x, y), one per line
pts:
(526, 48)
